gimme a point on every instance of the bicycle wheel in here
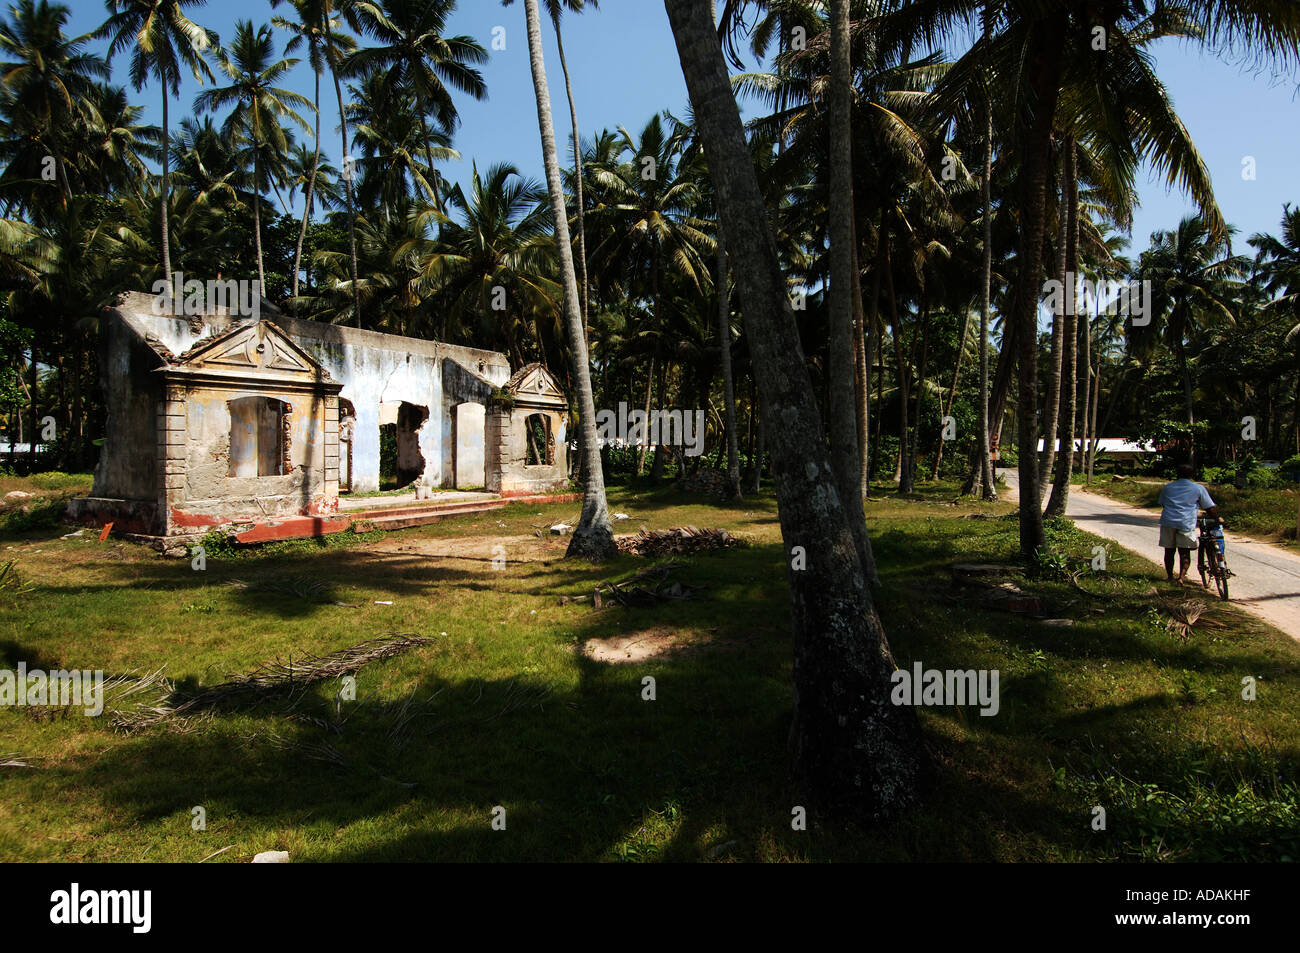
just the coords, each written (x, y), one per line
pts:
(1200, 565)
(1221, 578)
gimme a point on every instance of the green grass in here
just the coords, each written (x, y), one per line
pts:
(44, 509)
(1265, 514)
(503, 709)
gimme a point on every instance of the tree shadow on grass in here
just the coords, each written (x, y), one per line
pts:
(585, 767)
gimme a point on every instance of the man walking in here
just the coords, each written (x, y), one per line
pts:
(1181, 503)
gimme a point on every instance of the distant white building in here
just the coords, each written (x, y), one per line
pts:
(1116, 448)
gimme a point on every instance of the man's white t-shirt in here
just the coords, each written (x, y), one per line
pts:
(1182, 501)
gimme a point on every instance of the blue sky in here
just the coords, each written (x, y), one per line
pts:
(625, 68)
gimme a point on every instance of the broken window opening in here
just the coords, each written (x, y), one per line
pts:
(400, 461)
(540, 451)
(260, 440)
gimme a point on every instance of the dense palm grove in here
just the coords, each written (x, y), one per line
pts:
(949, 158)
(82, 199)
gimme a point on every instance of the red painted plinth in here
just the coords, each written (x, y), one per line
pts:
(295, 527)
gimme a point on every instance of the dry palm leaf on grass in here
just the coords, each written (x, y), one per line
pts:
(1184, 615)
(648, 587)
(291, 675)
(680, 539)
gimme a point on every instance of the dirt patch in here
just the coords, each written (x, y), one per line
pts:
(514, 549)
(658, 642)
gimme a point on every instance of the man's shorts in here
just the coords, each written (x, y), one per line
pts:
(1171, 537)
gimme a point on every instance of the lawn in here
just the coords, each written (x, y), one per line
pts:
(502, 708)
(1265, 514)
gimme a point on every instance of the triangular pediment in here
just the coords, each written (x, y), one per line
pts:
(535, 383)
(259, 346)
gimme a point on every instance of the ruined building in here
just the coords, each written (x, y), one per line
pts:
(217, 421)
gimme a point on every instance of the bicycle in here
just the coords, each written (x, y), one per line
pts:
(1211, 560)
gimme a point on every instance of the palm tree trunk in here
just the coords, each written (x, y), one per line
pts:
(1092, 425)
(914, 442)
(862, 368)
(952, 391)
(728, 384)
(166, 192)
(997, 409)
(1053, 409)
(593, 539)
(843, 403)
(1185, 369)
(434, 195)
(850, 748)
(988, 485)
(352, 209)
(307, 199)
(1060, 496)
(1046, 81)
(577, 171)
(36, 414)
(900, 367)
(257, 219)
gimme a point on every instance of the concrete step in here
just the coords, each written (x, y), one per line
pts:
(443, 508)
(364, 524)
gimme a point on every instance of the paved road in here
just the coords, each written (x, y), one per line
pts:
(1267, 580)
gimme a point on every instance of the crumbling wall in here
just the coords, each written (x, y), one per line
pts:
(372, 368)
(375, 368)
(508, 449)
(128, 467)
(210, 491)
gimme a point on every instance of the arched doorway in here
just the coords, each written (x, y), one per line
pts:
(467, 422)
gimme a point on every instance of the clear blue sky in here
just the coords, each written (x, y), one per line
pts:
(625, 68)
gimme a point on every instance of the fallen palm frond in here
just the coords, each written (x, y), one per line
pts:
(279, 676)
(657, 588)
(328, 754)
(1184, 615)
(680, 539)
(11, 581)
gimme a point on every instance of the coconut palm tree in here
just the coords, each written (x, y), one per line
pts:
(1045, 52)
(415, 57)
(498, 237)
(318, 24)
(315, 27)
(115, 144)
(259, 106)
(162, 41)
(593, 538)
(49, 83)
(394, 142)
(1278, 262)
(648, 221)
(849, 746)
(1194, 280)
(843, 428)
(556, 9)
